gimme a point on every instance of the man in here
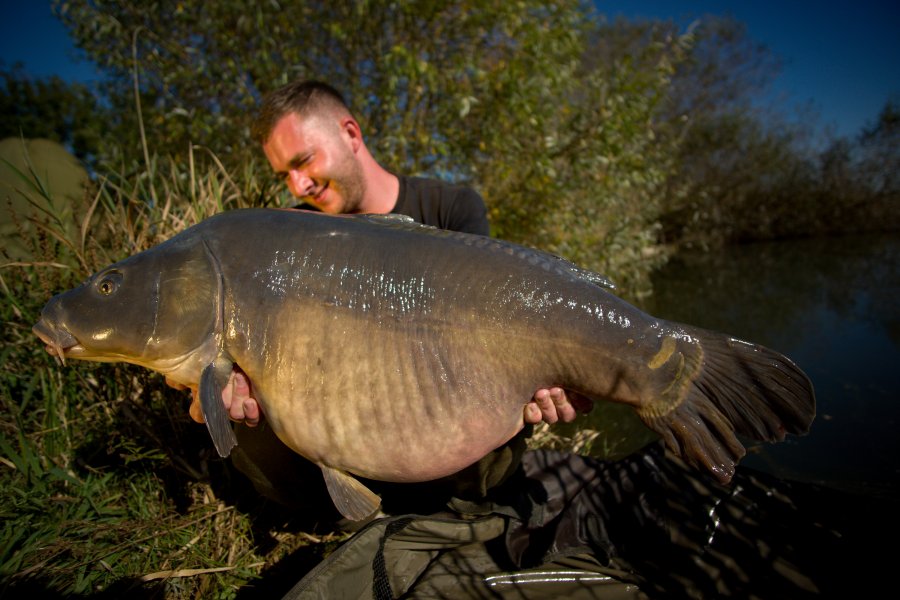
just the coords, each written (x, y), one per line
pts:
(315, 145)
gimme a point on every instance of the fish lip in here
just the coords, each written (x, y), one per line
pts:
(58, 340)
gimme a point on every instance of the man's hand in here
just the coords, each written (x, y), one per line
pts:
(241, 406)
(235, 397)
(552, 405)
(195, 411)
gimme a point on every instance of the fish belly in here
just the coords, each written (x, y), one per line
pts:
(410, 403)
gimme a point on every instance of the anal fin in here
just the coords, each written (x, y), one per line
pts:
(352, 499)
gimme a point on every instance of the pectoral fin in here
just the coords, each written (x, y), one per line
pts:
(354, 500)
(212, 381)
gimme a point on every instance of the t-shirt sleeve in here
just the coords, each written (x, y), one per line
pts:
(468, 213)
(442, 204)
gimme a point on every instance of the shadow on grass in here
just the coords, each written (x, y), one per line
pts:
(131, 588)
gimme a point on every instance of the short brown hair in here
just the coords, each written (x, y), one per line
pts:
(302, 97)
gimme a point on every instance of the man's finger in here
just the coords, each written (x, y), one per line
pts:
(546, 405)
(195, 411)
(251, 413)
(564, 410)
(238, 401)
(241, 386)
(175, 385)
(533, 414)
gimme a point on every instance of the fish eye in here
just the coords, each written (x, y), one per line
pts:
(109, 283)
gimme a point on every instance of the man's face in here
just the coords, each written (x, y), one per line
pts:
(314, 157)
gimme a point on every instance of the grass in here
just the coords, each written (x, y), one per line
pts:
(107, 488)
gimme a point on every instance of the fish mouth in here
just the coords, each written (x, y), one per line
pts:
(58, 340)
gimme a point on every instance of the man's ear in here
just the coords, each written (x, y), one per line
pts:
(351, 129)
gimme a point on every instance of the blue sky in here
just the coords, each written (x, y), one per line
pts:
(844, 58)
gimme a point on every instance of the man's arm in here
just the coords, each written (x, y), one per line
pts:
(550, 405)
(463, 210)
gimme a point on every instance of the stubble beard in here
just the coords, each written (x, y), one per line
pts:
(351, 184)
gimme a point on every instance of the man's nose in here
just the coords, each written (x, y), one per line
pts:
(301, 184)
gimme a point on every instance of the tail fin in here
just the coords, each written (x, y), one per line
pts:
(736, 388)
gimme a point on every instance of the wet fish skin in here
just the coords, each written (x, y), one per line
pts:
(400, 352)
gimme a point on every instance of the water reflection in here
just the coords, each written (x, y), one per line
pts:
(831, 305)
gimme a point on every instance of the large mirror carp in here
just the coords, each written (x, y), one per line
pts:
(394, 351)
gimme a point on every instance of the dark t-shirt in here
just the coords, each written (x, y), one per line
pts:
(442, 204)
(438, 203)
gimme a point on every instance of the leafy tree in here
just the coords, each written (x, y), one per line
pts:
(724, 73)
(506, 96)
(50, 108)
(879, 147)
(746, 173)
(858, 186)
(736, 161)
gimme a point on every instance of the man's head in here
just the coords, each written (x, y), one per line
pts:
(314, 144)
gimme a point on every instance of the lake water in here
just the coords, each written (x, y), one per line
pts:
(833, 306)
